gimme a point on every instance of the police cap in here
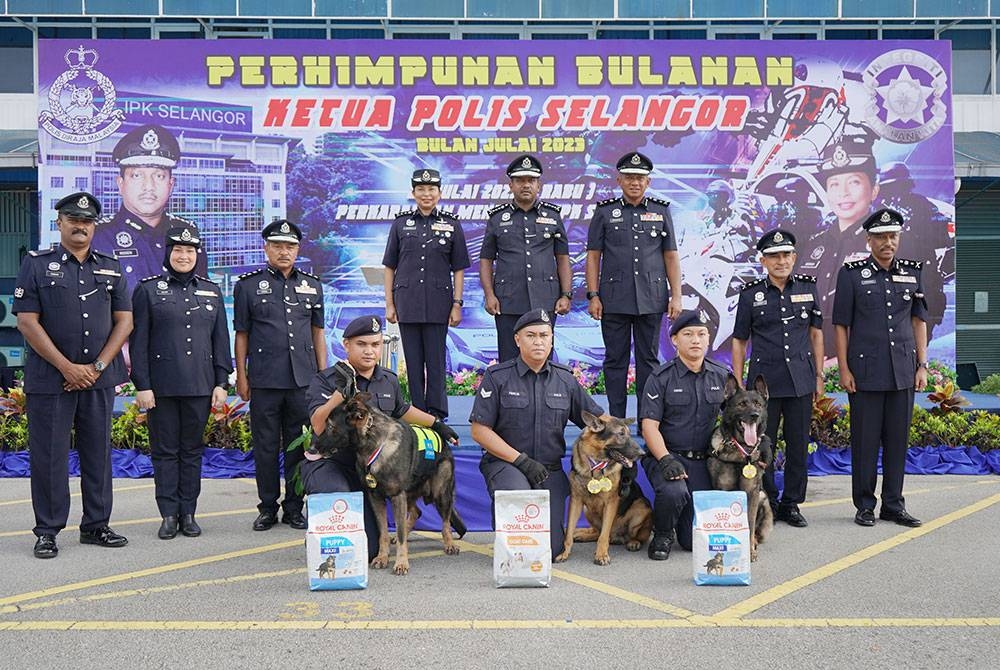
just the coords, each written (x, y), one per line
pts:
(634, 163)
(81, 205)
(775, 241)
(852, 154)
(183, 235)
(282, 230)
(689, 317)
(533, 318)
(425, 177)
(363, 325)
(524, 166)
(147, 146)
(883, 221)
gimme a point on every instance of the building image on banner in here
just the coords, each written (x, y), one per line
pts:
(744, 137)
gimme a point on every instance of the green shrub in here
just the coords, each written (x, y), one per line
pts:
(129, 430)
(989, 386)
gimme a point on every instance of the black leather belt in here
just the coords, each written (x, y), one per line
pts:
(691, 455)
(553, 467)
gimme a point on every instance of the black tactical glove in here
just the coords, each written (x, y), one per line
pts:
(446, 432)
(532, 469)
(345, 379)
(671, 468)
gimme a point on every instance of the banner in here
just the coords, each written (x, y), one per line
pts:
(744, 135)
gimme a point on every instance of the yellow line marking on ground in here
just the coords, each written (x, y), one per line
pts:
(151, 519)
(495, 624)
(775, 593)
(841, 501)
(158, 570)
(78, 494)
(222, 581)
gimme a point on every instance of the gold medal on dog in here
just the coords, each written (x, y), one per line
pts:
(749, 471)
(371, 483)
(605, 483)
(594, 485)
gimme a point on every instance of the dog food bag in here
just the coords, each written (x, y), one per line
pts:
(721, 539)
(336, 545)
(522, 550)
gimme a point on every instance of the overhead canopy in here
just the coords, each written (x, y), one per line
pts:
(977, 154)
(18, 148)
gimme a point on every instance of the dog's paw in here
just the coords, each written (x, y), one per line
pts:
(401, 568)
(602, 559)
(633, 545)
(561, 558)
(451, 550)
(753, 555)
(380, 562)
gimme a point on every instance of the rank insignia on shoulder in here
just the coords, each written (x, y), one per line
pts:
(448, 214)
(806, 278)
(550, 205)
(910, 263)
(406, 212)
(854, 265)
(251, 273)
(206, 279)
(150, 278)
(658, 201)
(602, 203)
(498, 208)
(751, 284)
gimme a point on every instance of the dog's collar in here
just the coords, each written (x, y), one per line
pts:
(739, 446)
(597, 465)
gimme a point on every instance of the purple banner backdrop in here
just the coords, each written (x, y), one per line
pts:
(327, 133)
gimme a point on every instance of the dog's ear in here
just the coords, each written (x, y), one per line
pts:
(760, 386)
(630, 421)
(595, 423)
(732, 386)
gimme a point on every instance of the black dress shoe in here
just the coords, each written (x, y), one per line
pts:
(902, 518)
(265, 520)
(295, 520)
(791, 515)
(45, 546)
(865, 517)
(189, 526)
(168, 528)
(659, 546)
(104, 537)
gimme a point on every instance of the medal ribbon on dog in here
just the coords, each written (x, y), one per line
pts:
(595, 486)
(370, 480)
(749, 470)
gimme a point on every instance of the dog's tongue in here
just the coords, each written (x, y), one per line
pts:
(750, 434)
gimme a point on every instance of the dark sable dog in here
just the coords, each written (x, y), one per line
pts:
(740, 451)
(390, 463)
(602, 486)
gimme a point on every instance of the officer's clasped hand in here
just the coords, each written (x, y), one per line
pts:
(345, 380)
(532, 469)
(671, 468)
(446, 432)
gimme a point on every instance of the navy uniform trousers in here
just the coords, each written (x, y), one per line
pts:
(795, 415)
(503, 476)
(618, 331)
(176, 428)
(879, 417)
(672, 506)
(51, 418)
(424, 346)
(276, 420)
(506, 347)
(328, 476)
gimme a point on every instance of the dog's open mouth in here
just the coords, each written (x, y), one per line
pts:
(619, 457)
(749, 433)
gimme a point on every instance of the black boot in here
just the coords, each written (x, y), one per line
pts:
(659, 546)
(189, 526)
(168, 529)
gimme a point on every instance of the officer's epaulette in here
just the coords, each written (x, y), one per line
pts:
(105, 219)
(405, 212)
(250, 274)
(906, 262)
(174, 217)
(203, 279)
(715, 364)
(151, 278)
(544, 203)
(751, 284)
(103, 254)
(602, 203)
(854, 265)
(448, 214)
(509, 363)
(41, 252)
(806, 278)
(309, 274)
(658, 201)
(498, 208)
(561, 366)
(391, 372)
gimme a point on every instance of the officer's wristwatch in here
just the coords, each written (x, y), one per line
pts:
(100, 365)
(922, 365)
(593, 294)
(566, 294)
(460, 303)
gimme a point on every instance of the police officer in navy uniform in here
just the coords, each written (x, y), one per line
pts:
(331, 387)
(680, 406)
(180, 367)
(136, 234)
(881, 321)
(519, 418)
(73, 309)
(278, 318)
(527, 240)
(426, 248)
(779, 315)
(632, 261)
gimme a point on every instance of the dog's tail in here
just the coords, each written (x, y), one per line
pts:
(458, 524)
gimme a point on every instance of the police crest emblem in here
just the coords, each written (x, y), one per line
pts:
(635, 159)
(526, 163)
(162, 285)
(123, 239)
(186, 235)
(81, 101)
(284, 228)
(150, 141)
(374, 325)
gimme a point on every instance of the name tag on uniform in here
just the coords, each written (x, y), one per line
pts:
(760, 303)
(107, 273)
(126, 253)
(50, 273)
(305, 289)
(802, 297)
(651, 216)
(207, 294)
(617, 220)
(677, 390)
(867, 282)
(514, 393)
(545, 220)
(442, 227)
(905, 279)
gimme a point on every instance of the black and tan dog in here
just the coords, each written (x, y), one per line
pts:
(602, 486)
(392, 466)
(328, 568)
(740, 451)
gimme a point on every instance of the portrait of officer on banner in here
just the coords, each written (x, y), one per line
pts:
(136, 234)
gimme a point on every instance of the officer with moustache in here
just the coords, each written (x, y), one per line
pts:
(527, 242)
(278, 318)
(73, 309)
(779, 316)
(881, 319)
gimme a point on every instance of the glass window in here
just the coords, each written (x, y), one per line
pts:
(490, 36)
(580, 9)
(920, 34)
(358, 34)
(737, 36)
(299, 33)
(421, 36)
(793, 36)
(970, 61)
(679, 34)
(654, 9)
(351, 8)
(948, 8)
(622, 34)
(18, 72)
(64, 32)
(728, 8)
(42, 7)
(119, 7)
(57, 182)
(559, 36)
(503, 9)
(423, 8)
(853, 34)
(883, 8)
(19, 37)
(123, 33)
(80, 183)
(777, 9)
(269, 8)
(199, 7)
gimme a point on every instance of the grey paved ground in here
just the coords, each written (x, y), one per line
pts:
(830, 596)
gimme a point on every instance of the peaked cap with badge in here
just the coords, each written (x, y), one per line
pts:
(80, 205)
(776, 241)
(425, 177)
(147, 146)
(524, 165)
(282, 230)
(634, 163)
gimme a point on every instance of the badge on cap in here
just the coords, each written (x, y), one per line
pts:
(284, 228)
(83, 202)
(885, 218)
(162, 285)
(526, 163)
(186, 235)
(840, 157)
(123, 239)
(374, 325)
(150, 141)
(778, 237)
(544, 316)
(703, 316)
(635, 159)
(758, 296)
(425, 176)
(53, 265)
(866, 273)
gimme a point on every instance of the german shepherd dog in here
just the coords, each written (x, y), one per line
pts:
(604, 457)
(327, 569)
(398, 476)
(740, 447)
